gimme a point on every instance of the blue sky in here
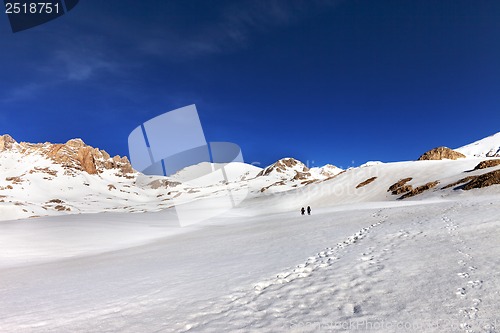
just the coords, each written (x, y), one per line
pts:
(340, 82)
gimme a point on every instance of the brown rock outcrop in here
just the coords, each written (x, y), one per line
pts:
(73, 155)
(15, 180)
(440, 153)
(6, 142)
(400, 186)
(487, 164)
(158, 183)
(282, 165)
(419, 189)
(366, 182)
(76, 155)
(484, 180)
(458, 182)
(275, 184)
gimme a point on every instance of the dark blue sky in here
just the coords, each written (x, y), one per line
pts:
(339, 82)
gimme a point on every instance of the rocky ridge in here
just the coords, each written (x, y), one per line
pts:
(73, 155)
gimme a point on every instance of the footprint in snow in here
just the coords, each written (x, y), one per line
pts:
(475, 284)
(461, 292)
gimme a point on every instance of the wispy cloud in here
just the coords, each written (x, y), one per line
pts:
(21, 92)
(77, 53)
(82, 65)
(68, 62)
(81, 58)
(232, 29)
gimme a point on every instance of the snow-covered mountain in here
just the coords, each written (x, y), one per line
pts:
(423, 232)
(72, 178)
(290, 169)
(287, 169)
(487, 147)
(205, 173)
(54, 179)
(325, 172)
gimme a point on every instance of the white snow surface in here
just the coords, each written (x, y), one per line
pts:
(325, 171)
(432, 265)
(487, 147)
(370, 163)
(105, 253)
(363, 261)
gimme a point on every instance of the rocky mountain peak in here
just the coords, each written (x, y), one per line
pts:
(441, 153)
(76, 143)
(6, 142)
(283, 165)
(329, 170)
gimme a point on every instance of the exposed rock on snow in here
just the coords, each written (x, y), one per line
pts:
(487, 164)
(484, 180)
(400, 186)
(478, 181)
(31, 174)
(6, 142)
(420, 189)
(274, 184)
(366, 182)
(277, 271)
(458, 182)
(74, 155)
(290, 170)
(440, 153)
(88, 180)
(287, 167)
(162, 183)
(262, 266)
(325, 172)
(43, 170)
(15, 180)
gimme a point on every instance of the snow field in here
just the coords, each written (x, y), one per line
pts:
(428, 263)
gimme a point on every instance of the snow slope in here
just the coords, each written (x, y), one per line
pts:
(341, 190)
(203, 174)
(428, 265)
(363, 261)
(34, 185)
(487, 147)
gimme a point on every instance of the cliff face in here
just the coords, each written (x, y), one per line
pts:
(73, 155)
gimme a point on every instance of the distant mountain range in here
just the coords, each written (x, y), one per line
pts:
(53, 179)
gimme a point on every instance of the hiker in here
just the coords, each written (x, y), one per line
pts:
(308, 210)
(303, 211)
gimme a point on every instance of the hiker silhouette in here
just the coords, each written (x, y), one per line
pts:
(303, 211)
(308, 210)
